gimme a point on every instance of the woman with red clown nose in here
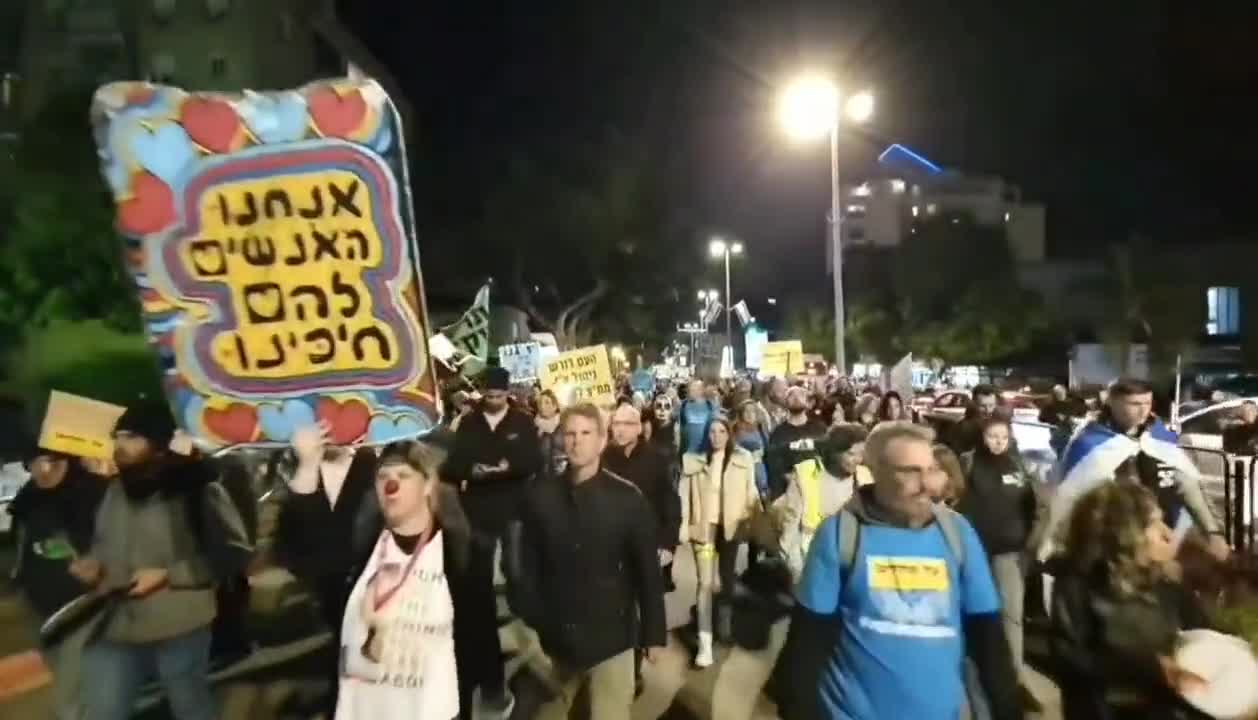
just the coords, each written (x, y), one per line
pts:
(401, 641)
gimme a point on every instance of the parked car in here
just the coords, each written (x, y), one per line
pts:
(949, 407)
(1201, 436)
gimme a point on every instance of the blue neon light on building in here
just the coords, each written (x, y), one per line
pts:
(898, 156)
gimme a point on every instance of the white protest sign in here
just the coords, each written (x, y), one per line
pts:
(522, 360)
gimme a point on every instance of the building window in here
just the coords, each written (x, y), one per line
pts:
(217, 8)
(897, 186)
(931, 208)
(861, 190)
(856, 210)
(916, 210)
(1223, 311)
(856, 234)
(218, 66)
(1007, 216)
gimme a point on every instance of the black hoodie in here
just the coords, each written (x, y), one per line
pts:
(51, 522)
(999, 500)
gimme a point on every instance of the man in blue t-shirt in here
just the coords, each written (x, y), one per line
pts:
(694, 418)
(901, 606)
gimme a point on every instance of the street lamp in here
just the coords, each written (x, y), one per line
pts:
(809, 109)
(718, 249)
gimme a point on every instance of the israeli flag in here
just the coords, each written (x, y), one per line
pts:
(1092, 456)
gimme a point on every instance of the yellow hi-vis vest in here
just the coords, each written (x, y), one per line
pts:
(808, 473)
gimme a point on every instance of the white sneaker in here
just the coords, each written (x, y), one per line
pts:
(704, 657)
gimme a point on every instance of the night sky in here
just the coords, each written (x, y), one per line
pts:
(1121, 116)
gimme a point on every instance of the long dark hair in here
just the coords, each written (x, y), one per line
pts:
(730, 445)
(885, 406)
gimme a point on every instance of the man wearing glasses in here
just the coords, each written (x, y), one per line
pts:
(890, 605)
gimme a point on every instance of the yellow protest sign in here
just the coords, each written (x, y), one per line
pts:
(782, 358)
(908, 574)
(79, 426)
(582, 375)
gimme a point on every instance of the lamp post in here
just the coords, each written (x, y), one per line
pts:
(718, 249)
(810, 108)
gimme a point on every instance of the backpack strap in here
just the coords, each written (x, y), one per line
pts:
(849, 530)
(946, 519)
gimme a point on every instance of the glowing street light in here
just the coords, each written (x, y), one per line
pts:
(810, 108)
(860, 107)
(719, 249)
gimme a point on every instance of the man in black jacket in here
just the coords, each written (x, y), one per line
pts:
(496, 453)
(644, 466)
(637, 462)
(590, 569)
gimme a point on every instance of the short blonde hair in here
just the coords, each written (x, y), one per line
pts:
(587, 410)
(884, 433)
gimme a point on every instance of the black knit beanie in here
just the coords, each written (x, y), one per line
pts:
(149, 420)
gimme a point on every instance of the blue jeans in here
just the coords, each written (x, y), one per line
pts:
(114, 672)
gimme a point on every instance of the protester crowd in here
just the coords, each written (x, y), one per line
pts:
(905, 555)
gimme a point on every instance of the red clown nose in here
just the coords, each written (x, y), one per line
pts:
(390, 487)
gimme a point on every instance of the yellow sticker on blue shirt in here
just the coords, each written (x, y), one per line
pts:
(908, 574)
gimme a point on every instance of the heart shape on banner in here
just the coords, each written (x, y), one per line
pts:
(236, 424)
(212, 124)
(276, 119)
(150, 209)
(348, 420)
(164, 151)
(385, 429)
(337, 115)
(280, 421)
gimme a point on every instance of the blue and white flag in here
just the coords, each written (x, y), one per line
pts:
(1095, 452)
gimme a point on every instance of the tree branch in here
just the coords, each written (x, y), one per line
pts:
(566, 317)
(523, 297)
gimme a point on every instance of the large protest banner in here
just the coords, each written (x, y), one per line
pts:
(782, 358)
(272, 241)
(582, 375)
(521, 360)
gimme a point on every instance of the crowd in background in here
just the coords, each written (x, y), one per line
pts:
(905, 554)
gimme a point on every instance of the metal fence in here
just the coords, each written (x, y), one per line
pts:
(1229, 483)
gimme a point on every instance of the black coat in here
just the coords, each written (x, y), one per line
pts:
(587, 574)
(309, 534)
(1103, 645)
(1000, 501)
(651, 471)
(492, 501)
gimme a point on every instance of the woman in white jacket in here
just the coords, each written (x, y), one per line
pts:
(718, 497)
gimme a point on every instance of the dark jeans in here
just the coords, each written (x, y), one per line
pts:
(114, 672)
